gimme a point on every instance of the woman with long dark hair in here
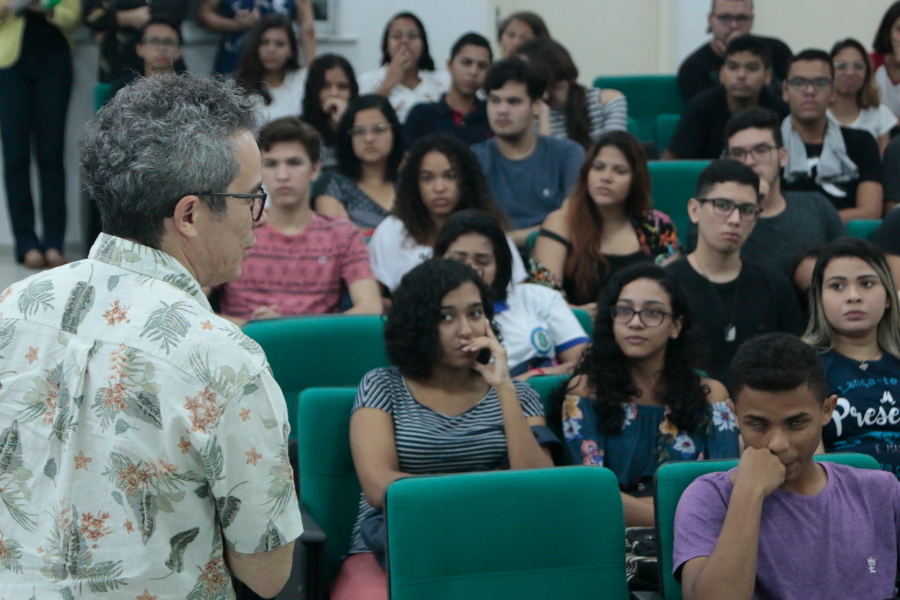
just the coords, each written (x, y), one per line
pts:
(270, 67)
(606, 224)
(636, 399)
(330, 86)
(886, 58)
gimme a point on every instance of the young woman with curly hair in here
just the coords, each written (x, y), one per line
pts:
(437, 410)
(636, 400)
(607, 223)
(440, 177)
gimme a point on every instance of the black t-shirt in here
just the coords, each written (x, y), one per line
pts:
(862, 149)
(761, 300)
(887, 236)
(701, 129)
(700, 70)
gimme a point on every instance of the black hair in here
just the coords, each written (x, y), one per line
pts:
(411, 338)
(473, 221)
(250, 71)
(163, 21)
(814, 54)
(518, 71)
(754, 45)
(755, 118)
(471, 183)
(426, 63)
(471, 39)
(725, 171)
(777, 362)
(533, 20)
(606, 366)
(348, 163)
(315, 81)
(882, 43)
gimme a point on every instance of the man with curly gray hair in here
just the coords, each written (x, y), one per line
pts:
(143, 439)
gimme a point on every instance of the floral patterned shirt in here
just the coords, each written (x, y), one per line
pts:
(648, 439)
(138, 431)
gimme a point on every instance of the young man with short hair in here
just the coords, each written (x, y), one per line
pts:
(727, 20)
(529, 174)
(791, 223)
(744, 80)
(159, 49)
(842, 163)
(782, 525)
(459, 112)
(731, 299)
(302, 261)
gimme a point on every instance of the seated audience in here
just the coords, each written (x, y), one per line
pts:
(437, 409)
(439, 178)
(539, 331)
(529, 174)
(727, 20)
(887, 239)
(606, 225)
(636, 399)
(744, 81)
(407, 74)
(330, 86)
(886, 59)
(782, 525)
(857, 99)
(459, 112)
(732, 299)
(891, 181)
(234, 18)
(159, 49)
(574, 111)
(856, 326)
(790, 222)
(517, 28)
(369, 151)
(301, 262)
(844, 164)
(270, 68)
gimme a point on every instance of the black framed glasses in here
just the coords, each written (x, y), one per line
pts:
(650, 317)
(728, 19)
(725, 208)
(256, 206)
(759, 152)
(800, 84)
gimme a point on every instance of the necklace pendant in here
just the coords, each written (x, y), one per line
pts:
(864, 365)
(730, 333)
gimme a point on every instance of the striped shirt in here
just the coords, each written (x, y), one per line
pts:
(604, 117)
(430, 443)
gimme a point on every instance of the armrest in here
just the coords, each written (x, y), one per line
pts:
(646, 596)
(313, 538)
(312, 533)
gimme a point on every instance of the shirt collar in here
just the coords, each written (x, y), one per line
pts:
(500, 306)
(147, 261)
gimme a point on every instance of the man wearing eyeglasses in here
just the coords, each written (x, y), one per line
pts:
(842, 163)
(147, 433)
(159, 48)
(727, 20)
(732, 299)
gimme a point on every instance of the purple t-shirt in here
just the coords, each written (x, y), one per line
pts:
(840, 543)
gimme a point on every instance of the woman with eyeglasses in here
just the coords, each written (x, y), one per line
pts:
(636, 399)
(606, 224)
(857, 98)
(886, 58)
(369, 152)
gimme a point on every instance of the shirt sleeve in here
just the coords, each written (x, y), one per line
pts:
(887, 120)
(369, 82)
(529, 399)
(374, 392)
(698, 521)
(379, 255)
(864, 152)
(565, 329)
(355, 264)
(245, 460)
(614, 115)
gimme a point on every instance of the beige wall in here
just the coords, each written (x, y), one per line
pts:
(819, 23)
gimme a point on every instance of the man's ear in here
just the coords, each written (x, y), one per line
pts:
(187, 214)
(782, 157)
(316, 171)
(828, 408)
(693, 208)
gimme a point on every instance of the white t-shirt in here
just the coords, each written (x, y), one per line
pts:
(432, 85)
(536, 322)
(287, 99)
(890, 92)
(393, 254)
(877, 120)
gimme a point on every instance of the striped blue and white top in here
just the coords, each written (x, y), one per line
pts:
(604, 117)
(430, 443)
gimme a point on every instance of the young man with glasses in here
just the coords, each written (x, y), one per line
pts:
(727, 20)
(791, 223)
(843, 164)
(159, 49)
(731, 299)
(744, 80)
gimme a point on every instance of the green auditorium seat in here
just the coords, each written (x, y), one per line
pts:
(863, 228)
(672, 184)
(544, 384)
(648, 96)
(585, 319)
(101, 95)
(665, 129)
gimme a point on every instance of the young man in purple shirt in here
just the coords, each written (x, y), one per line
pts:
(781, 525)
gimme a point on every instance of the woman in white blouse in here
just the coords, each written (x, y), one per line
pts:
(407, 74)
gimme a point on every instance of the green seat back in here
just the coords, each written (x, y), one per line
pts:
(329, 488)
(507, 535)
(585, 319)
(672, 479)
(319, 351)
(544, 384)
(530, 241)
(672, 184)
(101, 95)
(648, 96)
(665, 128)
(863, 228)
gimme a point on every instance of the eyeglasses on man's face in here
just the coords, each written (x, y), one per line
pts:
(724, 207)
(759, 152)
(800, 84)
(257, 201)
(650, 317)
(729, 19)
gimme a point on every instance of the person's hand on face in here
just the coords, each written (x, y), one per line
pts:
(759, 467)
(334, 108)
(265, 312)
(496, 372)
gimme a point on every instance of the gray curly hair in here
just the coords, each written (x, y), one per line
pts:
(158, 140)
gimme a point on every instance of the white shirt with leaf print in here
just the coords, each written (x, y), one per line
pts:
(137, 430)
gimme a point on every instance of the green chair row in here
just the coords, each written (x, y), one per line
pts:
(648, 97)
(863, 228)
(672, 184)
